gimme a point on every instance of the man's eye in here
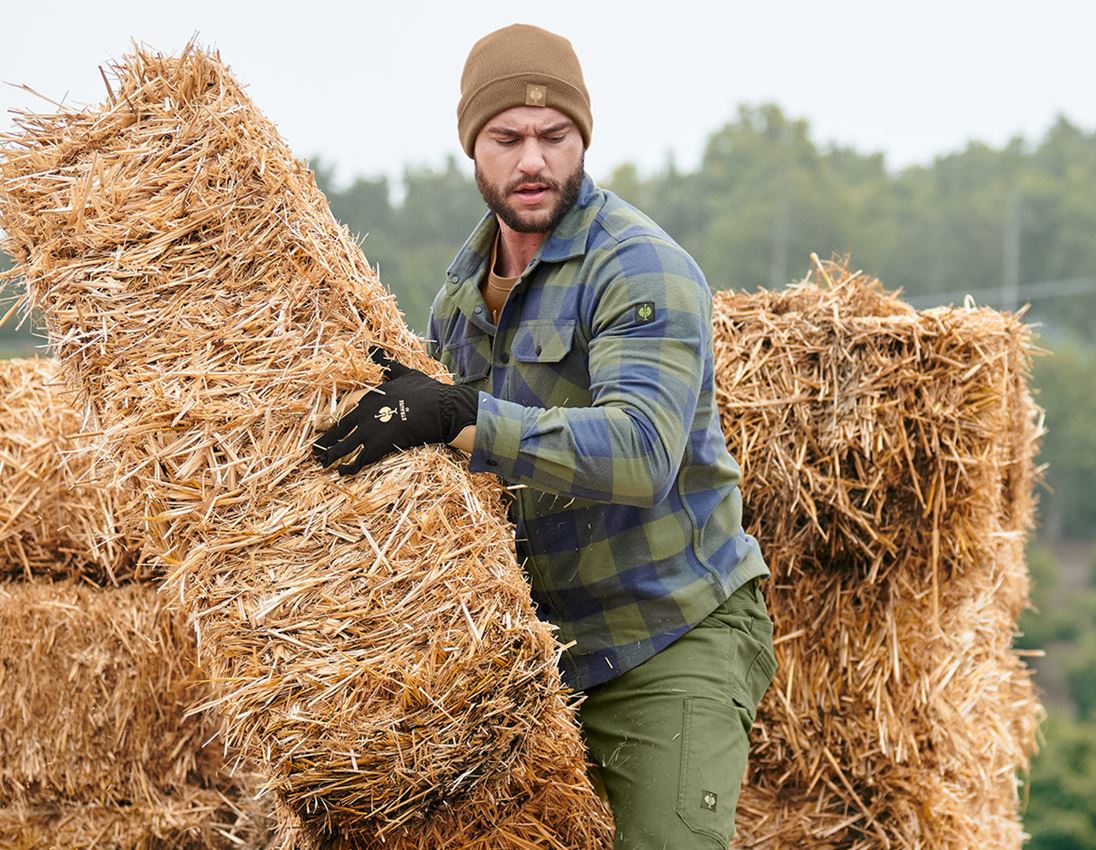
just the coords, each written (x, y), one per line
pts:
(507, 143)
(555, 140)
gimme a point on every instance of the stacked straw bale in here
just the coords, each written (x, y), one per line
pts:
(96, 749)
(371, 641)
(95, 686)
(95, 745)
(887, 465)
(54, 517)
(198, 819)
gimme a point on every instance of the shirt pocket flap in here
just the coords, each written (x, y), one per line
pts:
(543, 340)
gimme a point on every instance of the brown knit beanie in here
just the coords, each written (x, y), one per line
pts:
(521, 65)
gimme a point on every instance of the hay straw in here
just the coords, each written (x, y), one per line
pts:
(887, 467)
(54, 518)
(876, 420)
(371, 641)
(95, 685)
(195, 819)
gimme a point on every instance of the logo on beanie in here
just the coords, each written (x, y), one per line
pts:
(536, 95)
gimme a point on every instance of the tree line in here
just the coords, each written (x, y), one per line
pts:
(995, 221)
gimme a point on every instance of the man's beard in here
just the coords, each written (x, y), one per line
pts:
(568, 194)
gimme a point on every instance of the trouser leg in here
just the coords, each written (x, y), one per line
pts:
(669, 738)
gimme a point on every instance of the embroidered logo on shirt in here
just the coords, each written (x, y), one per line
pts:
(708, 800)
(536, 95)
(645, 312)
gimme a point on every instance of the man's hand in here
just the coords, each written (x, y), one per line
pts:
(409, 409)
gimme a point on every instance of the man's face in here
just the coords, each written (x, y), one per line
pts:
(529, 167)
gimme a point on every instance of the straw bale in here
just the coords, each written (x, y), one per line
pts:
(888, 465)
(927, 760)
(871, 432)
(54, 517)
(195, 819)
(371, 641)
(94, 688)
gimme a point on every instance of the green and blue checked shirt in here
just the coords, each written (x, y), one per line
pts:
(597, 399)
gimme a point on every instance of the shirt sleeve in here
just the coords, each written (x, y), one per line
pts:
(650, 333)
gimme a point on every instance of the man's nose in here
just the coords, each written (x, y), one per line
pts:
(532, 157)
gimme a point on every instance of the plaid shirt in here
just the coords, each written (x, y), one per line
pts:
(597, 396)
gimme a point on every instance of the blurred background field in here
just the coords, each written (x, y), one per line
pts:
(1011, 223)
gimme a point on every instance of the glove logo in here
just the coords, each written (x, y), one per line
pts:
(386, 413)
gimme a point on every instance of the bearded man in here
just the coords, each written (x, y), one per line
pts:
(579, 337)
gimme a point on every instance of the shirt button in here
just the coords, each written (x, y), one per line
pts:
(478, 310)
(505, 358)
(540, 349)
(453, 278)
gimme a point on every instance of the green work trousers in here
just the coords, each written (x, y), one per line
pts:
(669, 738)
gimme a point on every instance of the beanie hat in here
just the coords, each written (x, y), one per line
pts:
(521, 65)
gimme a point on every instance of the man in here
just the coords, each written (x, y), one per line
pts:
(579, 337)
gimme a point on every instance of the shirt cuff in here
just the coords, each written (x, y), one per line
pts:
(498, 437)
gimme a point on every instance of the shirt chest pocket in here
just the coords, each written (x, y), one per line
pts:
(549, 369)
(543, 340)
(468, 361)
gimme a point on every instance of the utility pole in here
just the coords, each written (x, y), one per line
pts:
(1010, 265)
(782, 232)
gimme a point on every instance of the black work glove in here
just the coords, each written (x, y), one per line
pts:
(409, 409)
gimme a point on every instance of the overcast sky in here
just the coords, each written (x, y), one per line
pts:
(372, 87)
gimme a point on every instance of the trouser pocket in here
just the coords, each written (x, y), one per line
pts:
(713, 760)
(751, 663)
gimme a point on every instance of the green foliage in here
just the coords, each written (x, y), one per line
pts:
(1046, 622)
(1081, 678)
(1061, 814)
(412, 244)
(765, 196)
(1065, 382)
